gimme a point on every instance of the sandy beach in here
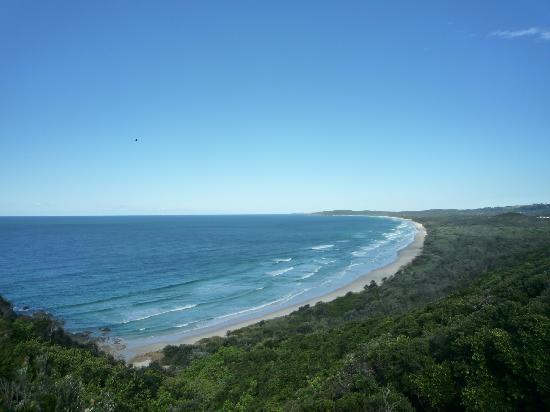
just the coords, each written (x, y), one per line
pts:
(142, 355)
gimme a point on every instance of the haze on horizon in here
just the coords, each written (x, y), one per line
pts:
(249, 107)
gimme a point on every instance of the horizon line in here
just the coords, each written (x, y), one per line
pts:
(269, 213)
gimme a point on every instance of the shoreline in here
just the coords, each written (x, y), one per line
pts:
(143, 355)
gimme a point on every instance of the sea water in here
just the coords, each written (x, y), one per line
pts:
(147, 276)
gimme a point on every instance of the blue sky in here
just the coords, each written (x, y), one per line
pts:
(276, 106)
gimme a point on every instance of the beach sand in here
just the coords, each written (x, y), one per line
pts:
(143, 355)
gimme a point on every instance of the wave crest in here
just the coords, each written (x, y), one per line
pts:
(280, 271)
(179, 309)
(321, 247)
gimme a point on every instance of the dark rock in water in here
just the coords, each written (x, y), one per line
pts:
(6, 310)
(105, 329)
(26, 308)
(84, 337)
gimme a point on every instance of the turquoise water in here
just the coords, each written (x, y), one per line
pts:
(145, 276)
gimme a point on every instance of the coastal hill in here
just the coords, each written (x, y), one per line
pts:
(464, 326)
(538, 209)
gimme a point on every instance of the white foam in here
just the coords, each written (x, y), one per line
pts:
(255, 308)
(321, 247)
(279, 260)
(310, 274)
(179, 309)
(183, 325)
(366, 249)
(396, 233)
(280, 271)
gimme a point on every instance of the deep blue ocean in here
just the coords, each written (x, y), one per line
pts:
(144, 276)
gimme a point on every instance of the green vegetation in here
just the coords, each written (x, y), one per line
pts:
(466, 326)
(537, 209)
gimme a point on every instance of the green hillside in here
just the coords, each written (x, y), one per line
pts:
(539, 209)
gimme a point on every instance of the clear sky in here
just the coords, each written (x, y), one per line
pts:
(272, 106)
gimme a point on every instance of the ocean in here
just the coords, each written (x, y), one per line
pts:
(147, 276)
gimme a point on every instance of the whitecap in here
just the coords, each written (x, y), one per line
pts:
(178, 309)
(279, 260)
(325, 261)
(366, 249)
(280, 271)
(255, 308)
(183, 325)
(310, 274)
(321, 247)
